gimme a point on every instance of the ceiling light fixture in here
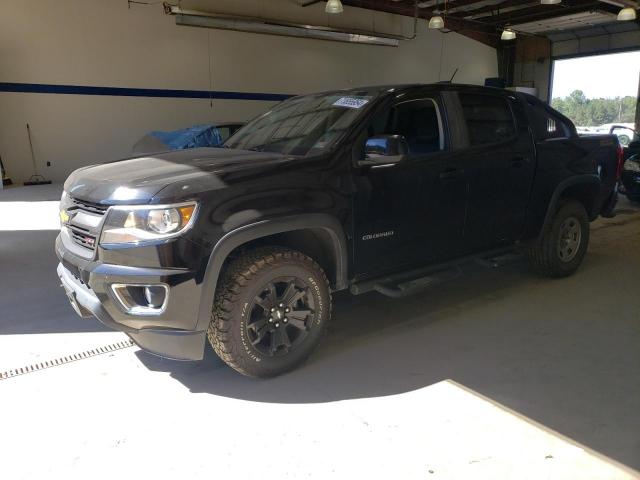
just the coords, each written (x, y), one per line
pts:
(550, 2)
(436, 22)
(627, 14)
(334, 6)
(508, 34)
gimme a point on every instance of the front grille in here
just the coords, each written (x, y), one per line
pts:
(80, 235)
(91, 207)
(83, 239)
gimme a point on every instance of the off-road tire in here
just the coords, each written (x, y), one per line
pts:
(237, 288)
(544, 257)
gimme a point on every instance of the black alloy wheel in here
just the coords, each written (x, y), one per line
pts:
(281, 316)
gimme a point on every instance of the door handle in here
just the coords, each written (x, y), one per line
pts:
(451, 173)
(518, 162)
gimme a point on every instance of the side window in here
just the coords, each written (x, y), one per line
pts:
(488, 118)
(417, 120)
(225, 133)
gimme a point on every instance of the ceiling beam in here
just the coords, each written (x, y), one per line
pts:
(609, 8)
(451, 5)
(622, 3)
(541, 13)
(408, 9)
(490, 9)
(475, 30)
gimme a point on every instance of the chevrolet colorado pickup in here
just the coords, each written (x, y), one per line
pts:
(380, 188)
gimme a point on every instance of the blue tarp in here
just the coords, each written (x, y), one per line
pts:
(192, 137)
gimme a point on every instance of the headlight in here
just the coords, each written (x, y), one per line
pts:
(64, 216)
(136, 224)
(631, 166)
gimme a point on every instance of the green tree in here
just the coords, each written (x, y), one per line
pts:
(578, 97)
(590, 112)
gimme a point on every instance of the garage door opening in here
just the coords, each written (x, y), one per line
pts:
(598, 92)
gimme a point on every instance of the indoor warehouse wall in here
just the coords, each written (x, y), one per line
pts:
(104, 43)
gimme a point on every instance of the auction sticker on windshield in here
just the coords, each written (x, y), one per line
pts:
(352, 102)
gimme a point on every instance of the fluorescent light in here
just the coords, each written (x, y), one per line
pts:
(206, 20)
(334, 6)
(508, 35)
(550, 2)
(627, 14)
(436, 22)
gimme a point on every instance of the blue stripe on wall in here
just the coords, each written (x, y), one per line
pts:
(138, 92)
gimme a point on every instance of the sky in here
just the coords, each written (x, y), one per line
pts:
(599, 76)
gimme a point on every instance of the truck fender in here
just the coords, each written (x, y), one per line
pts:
(264, 228)
(588, 180)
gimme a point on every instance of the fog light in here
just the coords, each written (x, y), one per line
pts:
(154, 296)
(141, 299)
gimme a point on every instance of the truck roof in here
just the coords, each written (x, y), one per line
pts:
(409, 86)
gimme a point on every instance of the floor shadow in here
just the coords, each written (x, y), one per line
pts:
(545, 348)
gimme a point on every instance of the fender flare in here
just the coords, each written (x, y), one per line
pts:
(585, 179)
(264, 228)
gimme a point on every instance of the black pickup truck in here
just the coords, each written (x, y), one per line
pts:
(364, 189)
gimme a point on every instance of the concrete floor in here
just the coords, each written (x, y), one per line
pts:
(498, 374)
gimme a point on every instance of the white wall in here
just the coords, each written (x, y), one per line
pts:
(103, 43)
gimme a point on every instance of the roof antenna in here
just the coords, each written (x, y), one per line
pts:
(447, 82)
(453, 76)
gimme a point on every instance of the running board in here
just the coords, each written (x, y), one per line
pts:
(411, 282)
(417, 285)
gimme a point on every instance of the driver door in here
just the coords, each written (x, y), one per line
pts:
(409, 213)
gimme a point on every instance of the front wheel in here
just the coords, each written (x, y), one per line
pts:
(270, 311)
(561, 248)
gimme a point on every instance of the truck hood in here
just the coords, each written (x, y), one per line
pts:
(138, 180)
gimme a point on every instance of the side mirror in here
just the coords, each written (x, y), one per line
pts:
(384, 150)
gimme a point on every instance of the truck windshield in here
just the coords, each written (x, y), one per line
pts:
(303, 125)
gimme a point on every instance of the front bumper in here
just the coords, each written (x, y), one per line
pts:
(172, 334)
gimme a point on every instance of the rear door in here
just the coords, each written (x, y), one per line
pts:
(499, 166)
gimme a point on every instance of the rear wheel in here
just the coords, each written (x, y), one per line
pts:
(560, 250)
(270, 311)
